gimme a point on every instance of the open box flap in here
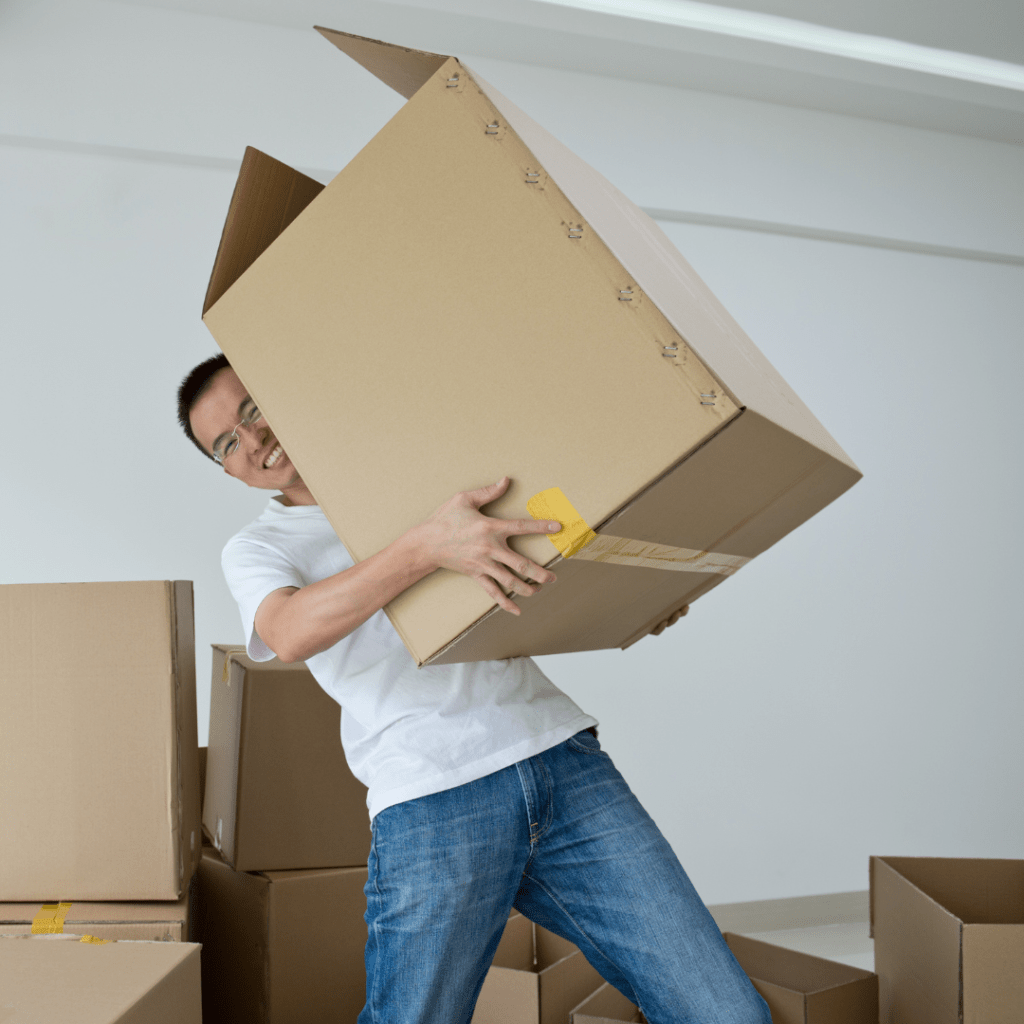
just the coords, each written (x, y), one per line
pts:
(268, 196)
(403, 69)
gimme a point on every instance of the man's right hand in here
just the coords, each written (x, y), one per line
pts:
(460, 537)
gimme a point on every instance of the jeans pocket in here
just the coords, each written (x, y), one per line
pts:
(586, 743)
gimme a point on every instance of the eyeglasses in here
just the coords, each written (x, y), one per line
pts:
(223, 448)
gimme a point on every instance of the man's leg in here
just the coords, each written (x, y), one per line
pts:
(602, 875)
(443, 872)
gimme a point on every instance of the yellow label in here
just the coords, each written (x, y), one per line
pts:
(553, 504)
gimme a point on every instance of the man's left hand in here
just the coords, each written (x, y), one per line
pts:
(670, 621)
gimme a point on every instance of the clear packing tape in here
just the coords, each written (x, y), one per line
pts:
(577, 540)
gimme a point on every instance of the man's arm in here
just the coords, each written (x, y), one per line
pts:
(296, 623)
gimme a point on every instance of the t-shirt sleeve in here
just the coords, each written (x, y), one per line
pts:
(252, 571)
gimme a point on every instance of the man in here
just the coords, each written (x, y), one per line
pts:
(488, 788)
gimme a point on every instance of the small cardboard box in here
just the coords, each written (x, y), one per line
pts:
(281, 947)
(469, 286)
(279, 793)
(804, 989)
(154, 922)
(535, 978)
(47, 978)
(949, 939)
(605, 1006)
(98, 741)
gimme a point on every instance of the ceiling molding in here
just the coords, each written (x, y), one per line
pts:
(686, 44)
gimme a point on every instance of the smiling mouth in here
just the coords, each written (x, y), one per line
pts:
(273, 457)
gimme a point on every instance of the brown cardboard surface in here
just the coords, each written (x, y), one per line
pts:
(279, 792)
(804, 989)
(268, 196)
(606, 1004)
(156, 922)
(993, 966)
(281, 947)
(50, 978)
(949, 939)
(536, 978)
(409, 279)
(101, 676)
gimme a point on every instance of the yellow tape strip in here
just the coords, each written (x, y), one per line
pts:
(577, 540)
(50, 919)
(94, 940)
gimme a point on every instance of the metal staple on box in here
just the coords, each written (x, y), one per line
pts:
(495, 126)
(453, 82)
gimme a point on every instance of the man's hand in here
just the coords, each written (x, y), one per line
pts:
(670, 621)
(458, 536)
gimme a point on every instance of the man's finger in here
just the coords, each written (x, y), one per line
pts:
(485, 495)
(497, 594)
(523, 567)
(514, 526)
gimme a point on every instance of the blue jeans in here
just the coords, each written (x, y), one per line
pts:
(560, 837)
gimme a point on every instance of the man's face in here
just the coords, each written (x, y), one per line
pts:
(257, 460)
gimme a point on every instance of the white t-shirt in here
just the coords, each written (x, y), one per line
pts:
(406, 731)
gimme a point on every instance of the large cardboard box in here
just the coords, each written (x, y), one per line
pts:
(468, 299)
(605, 1006)
(281, 947)
(536, 977)
(98, 741)
(48, 978)
(279, 793)
(154, 922)
(949, 939)
(804, 989)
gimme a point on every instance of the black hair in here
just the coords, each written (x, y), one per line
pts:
(192, 387)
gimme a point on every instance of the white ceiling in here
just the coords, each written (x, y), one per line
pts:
(989, 28)
(893, 60)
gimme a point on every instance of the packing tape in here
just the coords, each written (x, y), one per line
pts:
(227, 662)
(577, 540)
(94, 940)
(50, 919)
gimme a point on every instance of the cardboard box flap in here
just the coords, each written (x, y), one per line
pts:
(917, 950)
(993, 966)
(668, 281)
(515, 949)
(404, 69)
(268, 196)
(977, 891)
(800, 972)
(607, 1003)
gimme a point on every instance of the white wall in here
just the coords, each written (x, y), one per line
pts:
(855, 690)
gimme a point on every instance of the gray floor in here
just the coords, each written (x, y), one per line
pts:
(834, 925)
(847, 943)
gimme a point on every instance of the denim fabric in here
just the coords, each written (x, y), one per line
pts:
(561, 837)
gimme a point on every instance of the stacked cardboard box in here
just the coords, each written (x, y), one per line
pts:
(100, 802)
(279, 897)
